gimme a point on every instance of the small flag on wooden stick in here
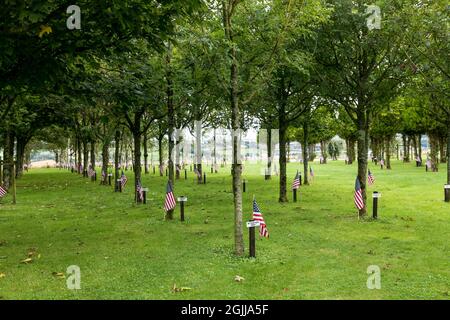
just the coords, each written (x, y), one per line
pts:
(359, 202)
(296, 182)
(169, 203)
(140, 191)
(123, 180)
(370, 178)
(3, 192)
(257, 216)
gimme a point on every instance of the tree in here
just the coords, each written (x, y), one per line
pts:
(361, 67)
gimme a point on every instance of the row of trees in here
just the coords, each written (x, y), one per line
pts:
(139, 70)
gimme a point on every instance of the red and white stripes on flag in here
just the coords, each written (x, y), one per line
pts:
(3, 192)
(296, 182)
(257, 216)
(123, 180)
(359, 202)
(370, 178)
(140, 191)
(169, 203)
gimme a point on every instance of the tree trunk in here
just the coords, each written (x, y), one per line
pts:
(363, 148)
(126, 155)
(105, 160)
(420, 147)
(434, 150)
(79, 153)
(311, 152)
(382, 149)
(85, 158)
(305, 148)
(137, 154)
(282, 159)
(8, 158)
(351, 150)
(405, 149)
(414, 147)
(215, 152)
(160, 154)
(20, 155)
(268, 174)
(146, 153)
(323, 149)
(93, 155)
(448, 153)
(408, 142)
(227, 11)
(121, 144)
(224, 151)
(177, 158)
(442, 148)
(388, 153)
(198, 146)
(116, 156)
(288, 150)
(170, 115)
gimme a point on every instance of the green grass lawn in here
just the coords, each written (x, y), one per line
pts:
(317, 248)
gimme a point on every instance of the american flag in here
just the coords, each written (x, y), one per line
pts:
(359, 202)
(311, 172)
(3, 192)
(123, 180)
(257, 216)
(169, 202)
(370, 178)
(140, 191)
(296, 182)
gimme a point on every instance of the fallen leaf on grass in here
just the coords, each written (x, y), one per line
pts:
(182, 289)
(239, 278)
(386, 266)
(27, 260)
(2, 275)
(59, 275)
(44, 30)
(32, 252)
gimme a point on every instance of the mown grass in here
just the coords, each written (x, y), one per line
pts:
(317, 248)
